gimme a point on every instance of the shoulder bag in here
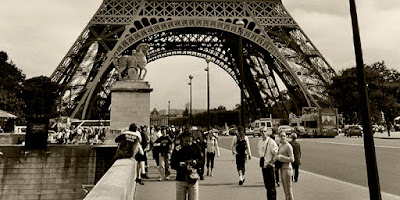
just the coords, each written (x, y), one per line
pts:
(263, 158)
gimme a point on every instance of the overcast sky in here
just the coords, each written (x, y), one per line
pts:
(38, 33)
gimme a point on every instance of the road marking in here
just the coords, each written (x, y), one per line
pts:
(390, 147)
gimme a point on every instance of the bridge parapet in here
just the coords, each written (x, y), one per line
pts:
(117, 184)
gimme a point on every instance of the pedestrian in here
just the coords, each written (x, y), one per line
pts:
(285, 155)
(297, 156)
(128, 143)
(268, 149)
(145, 146)
(276, 169)
(212, 150)
(140, 156)
(165, 150)
(200, 139)
(186, 159)
(155, 147)
(241, 151)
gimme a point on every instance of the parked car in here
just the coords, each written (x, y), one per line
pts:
(249, 131)
(299, 130)
(344, 129)
(285, 128)
(354, 130)
(377, 128)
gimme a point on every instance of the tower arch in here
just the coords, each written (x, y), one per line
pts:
(274, 45)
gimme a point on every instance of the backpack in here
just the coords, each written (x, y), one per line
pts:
(241, 146)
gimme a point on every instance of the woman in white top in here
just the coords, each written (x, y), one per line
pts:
(212, 149)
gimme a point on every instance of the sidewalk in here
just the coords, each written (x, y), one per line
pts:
(224, 185)
(384, 135)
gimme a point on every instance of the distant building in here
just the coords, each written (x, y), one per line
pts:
(158, 120)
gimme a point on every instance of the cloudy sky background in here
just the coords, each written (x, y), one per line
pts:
(38, 33)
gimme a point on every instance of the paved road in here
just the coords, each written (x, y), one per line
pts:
(343, 159)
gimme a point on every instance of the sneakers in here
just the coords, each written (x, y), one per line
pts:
(211, 174)
(140, 181)
(240, 182)
(277, 184)
(159, 179)
(167, 178)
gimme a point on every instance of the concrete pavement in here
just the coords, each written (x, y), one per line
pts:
(224, 185)
(384, 135)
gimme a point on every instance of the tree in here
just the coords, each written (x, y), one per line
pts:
(40, 95)
(383, 90)
(11, 80)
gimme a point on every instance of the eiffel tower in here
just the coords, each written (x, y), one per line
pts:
(273, 45)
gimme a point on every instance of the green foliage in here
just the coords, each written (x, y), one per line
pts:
(40, 95)
(383, 86)
(11, 80)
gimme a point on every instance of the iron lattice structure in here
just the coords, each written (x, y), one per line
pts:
(273, 45)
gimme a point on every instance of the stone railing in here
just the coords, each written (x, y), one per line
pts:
(117, 184)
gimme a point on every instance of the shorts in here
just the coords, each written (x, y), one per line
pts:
(140, 157)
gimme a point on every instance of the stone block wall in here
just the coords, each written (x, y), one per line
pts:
(130, 103)
(56, 173)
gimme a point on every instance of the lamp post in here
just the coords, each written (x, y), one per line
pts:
(190, 109)
(240, 25)
(384, 104)
(169, 102)
(208, 60)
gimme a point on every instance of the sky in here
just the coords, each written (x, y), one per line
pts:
(37, 34)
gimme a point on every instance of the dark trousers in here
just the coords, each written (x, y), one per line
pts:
(296, 172)
(276, 175)
(240, 162)
(269, 182)
(210, 159)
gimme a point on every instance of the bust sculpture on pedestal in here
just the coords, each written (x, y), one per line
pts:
(132, 65)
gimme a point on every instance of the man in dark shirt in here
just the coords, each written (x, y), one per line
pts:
(186, 159)
(165, 148)
(297, 156)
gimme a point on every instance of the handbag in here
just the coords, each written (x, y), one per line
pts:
(262, 159)
(192, 176)
(278, 164)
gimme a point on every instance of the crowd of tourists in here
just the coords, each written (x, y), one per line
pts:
(78, 135)
(192, 154)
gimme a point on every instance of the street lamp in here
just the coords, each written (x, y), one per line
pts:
(208, 60)
(240, 25)
(168, 112)
(384, 104)
(190, 111)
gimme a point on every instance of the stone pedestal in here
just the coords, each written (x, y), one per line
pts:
(130, 103)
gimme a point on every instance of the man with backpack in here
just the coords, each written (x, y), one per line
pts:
(241, 151)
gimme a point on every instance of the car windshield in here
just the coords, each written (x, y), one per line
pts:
(355, 127)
